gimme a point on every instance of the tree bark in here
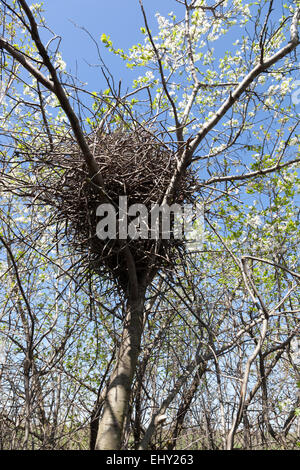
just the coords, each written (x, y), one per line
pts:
(115, 406)
(184, 407)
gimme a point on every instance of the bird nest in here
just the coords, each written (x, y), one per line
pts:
(134, 164)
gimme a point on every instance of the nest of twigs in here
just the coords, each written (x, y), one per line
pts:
(134, 164)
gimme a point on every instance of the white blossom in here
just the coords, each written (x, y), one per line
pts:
(255, 221)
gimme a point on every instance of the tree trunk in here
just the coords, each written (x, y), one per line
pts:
(118, 394)
(184, 407)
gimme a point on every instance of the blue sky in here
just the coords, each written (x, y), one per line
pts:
(121, 19)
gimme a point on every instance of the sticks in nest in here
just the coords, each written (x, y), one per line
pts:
(133, 164)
